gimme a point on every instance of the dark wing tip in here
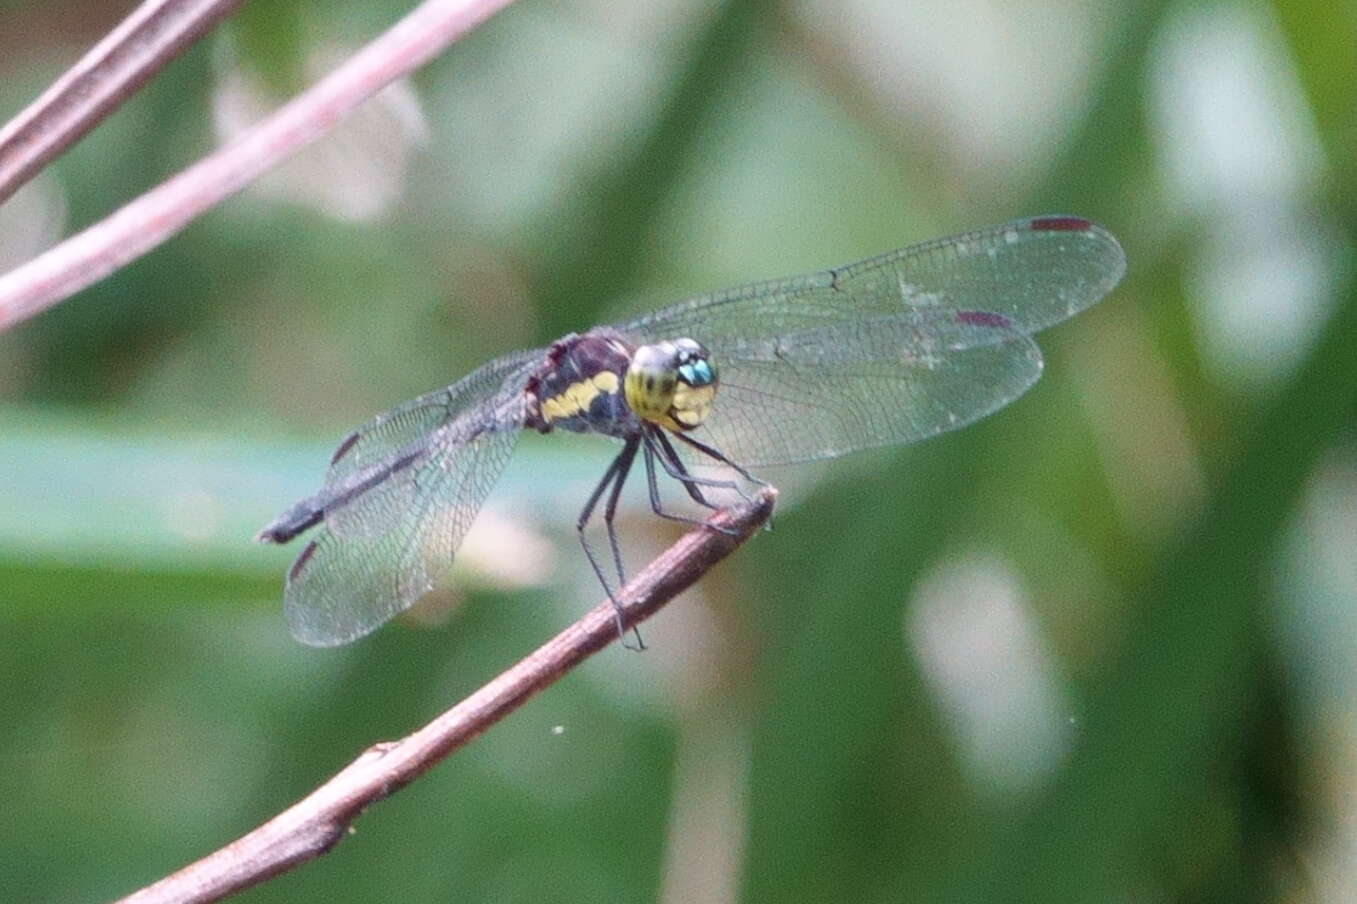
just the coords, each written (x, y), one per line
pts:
(1112, 255)
(984, 318)
(344, 447)
(307, 552)
(1061, 224)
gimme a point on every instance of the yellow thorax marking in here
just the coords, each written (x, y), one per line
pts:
(577, 397)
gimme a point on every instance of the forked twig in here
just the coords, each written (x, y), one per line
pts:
(316, 823)
(144, 223)
(155, 33)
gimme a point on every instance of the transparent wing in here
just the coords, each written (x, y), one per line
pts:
(399, 497)
(395, 430)
(1034, 273)
(892, 349)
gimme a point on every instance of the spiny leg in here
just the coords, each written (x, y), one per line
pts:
(609, 476)
(713, 453)
(617, 471)
(652, 454)
(625, 460)
(675, 468)
(690, 483)
(655, 505)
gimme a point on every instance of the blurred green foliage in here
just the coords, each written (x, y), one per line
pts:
(794, 735)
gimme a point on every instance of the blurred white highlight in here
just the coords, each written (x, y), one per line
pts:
(1153, 467)
(994, 83)
(708, 822)
(505, 551)
(983, 654)
(356, 173)
(31, 221)
(1317, 621)
(502, 551)
(1241, 153)
(194, 513)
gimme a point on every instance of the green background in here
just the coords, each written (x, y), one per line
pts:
(1099, 647)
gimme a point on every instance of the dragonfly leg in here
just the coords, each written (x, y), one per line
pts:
(713, 453)
(652, 453)
(674, 467)
(626, 459)
(610, 510)
(616, 475)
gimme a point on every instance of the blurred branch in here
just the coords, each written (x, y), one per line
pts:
(142, 44)
(319, 821)
(149, 220)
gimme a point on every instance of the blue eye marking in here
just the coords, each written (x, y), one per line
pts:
(695, 373)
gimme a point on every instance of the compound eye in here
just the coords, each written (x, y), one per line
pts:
(686, 350)
(697, 372)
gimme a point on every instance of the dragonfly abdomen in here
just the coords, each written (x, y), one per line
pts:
(311, 511)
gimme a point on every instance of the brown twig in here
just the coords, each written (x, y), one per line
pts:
(144, 43)
(316, 823)
(149, 220)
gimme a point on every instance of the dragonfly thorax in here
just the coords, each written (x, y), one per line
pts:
(671, 383)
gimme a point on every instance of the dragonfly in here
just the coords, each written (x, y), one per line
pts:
(890, 350)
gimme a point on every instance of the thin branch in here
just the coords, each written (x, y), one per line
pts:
(319, 821)
(144, 43)
(143, 224)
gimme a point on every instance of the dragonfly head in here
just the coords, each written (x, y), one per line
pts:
(671, 383)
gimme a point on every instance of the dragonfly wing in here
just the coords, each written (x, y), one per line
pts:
(1034, 273)
(400, 495)
(375, 556)
(395, 430)
(892, 349)
(825, 391)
